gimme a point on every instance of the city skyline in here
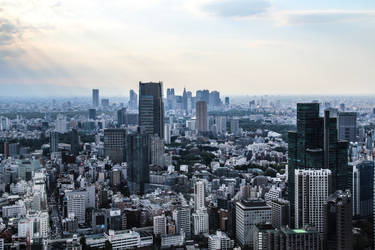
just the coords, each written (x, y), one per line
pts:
(236, 47)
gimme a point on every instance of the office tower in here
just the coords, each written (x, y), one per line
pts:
(263, 237)
(200, 221)
(61, 124)
(182, 218)
(373, 111)
(206, 96)
(221, 124)
(220, 241)
(121, 117)
(133, 100)
(74, 145)
(167, 134)
(199, 195)
(92, 114)
(184, 101)
(115, 177)
(235, 127)
(226, 100)
(214, 99)
(76, 205)
(95, 97)
(115, 144)
(171, 99)
(363, 181)
(314, 145)
(105, 102)
(160, 225)
(280, 212)
(157, 150)
(342, 107)
(138, 156)
(54, 141)
(114, 219)
(202, 117)
(151, 108)
(199, 95)
(248, 214)
(311, 191)
(347, 124)
(338, 233)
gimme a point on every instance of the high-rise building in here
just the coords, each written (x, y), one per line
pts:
(54, 141)
(74, 145)
(138, 157)
(157, 150)
(347, 124)
(92, 114)
(167, 134)
(311, 191)
(95, 97)
(314, 146)
(248, 214)
(214, 99)
(338, 233)
(266, 238)
(235, 127)
(226, 100)
(76, 205)
(105, 102)
(220, 241)
(200, 221)
(221, 124)
(363, 181)
(133, 100)
(202, 117)
(115, 144)
(160, 225)
(151, 108)
(183, 221)
(184, 101)
(280, 212)
(61, 125)
(199, 195)
(121, 117)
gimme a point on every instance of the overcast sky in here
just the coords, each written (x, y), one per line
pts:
(249, 47)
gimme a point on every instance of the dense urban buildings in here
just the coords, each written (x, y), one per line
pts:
(207, 174)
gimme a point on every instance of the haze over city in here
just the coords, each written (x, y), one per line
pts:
(237, 47)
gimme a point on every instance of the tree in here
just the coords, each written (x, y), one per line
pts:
(108, 245)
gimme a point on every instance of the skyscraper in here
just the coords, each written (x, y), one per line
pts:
(363, 181)
(184, 101)
(121, 117)
(54, 141)
(138, 172)
(183, 220)
(338, 233)
(314, 146)
(157, 150)
(226, 100)
(133, 100)
(92, 114)
(235, 127)
(347, 123)
(202, 117)
(95, 97)
(74, 146)
(115, 144)
(199, 195)
(311, 191)
(151, 108)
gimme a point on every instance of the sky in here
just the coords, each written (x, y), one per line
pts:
(249, 47)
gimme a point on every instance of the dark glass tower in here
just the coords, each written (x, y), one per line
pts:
(338, 221)
(95, 97)
(315, 145)
(138, 172)
(115, 144)
(151, 108)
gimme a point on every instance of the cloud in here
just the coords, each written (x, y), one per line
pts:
(237, 8)
(322, 16)
(8, 31)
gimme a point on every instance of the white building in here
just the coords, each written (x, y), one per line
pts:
(121, 240)
(167, 133)
(200, 221)
(1, 244)
(248, 214)
(311, 191)
(221, 124)
(61, 125)
(76, 205)
(160, 225)
(25, 228)
(167, 241)
(274, 194)
(199, 195)
(14, 211)
(219, 241)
